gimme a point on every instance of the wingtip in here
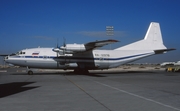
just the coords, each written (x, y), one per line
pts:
(112, 40)
(4, 55)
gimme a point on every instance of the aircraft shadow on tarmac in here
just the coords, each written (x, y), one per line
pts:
(14, 88)
(93, 74)
(64, 74)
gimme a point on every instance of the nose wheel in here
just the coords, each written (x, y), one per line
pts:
(30, 72)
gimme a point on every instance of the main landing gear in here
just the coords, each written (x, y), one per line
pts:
(81, 71)
(30, 72)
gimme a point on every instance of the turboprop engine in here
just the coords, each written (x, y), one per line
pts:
(73, 47)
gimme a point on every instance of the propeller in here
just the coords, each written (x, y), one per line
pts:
(59, 49)
(4, 62)
(64, 46)
(56, 49)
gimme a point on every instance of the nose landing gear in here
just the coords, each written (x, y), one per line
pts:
(29, 71)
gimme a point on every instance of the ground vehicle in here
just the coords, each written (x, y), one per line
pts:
(173, 69)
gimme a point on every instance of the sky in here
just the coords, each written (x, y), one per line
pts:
(45, 23)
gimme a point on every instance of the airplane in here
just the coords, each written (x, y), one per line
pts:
(85, 57)
(177, 63)
(165, 64)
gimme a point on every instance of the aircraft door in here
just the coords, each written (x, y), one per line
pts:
(102, 60)
(105, 60)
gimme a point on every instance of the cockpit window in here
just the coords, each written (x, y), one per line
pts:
(17, 53)
(20, 52)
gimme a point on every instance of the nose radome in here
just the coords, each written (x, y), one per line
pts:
(5, 58)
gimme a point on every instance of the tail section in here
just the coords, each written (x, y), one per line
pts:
(153, 37)
(152, 40)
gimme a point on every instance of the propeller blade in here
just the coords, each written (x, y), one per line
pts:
(57, 43)
(64, 45)
(64, 42)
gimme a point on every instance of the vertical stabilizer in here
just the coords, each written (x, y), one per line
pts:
(153, 34)
(152, 40)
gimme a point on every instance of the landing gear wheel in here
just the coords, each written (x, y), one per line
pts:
(85, 71)
(30, 72)
(81, 71)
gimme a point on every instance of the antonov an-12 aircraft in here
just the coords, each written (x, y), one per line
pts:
(84, 57)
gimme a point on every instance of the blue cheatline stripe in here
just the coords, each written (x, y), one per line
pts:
(129, 56)
(82, 58)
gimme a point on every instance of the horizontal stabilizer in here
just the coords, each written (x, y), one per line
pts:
(163, 50)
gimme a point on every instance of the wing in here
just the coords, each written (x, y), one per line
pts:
(4, 55)
(76, 48)
(97, 44)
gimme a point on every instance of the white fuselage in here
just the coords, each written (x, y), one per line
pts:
(83, 56)
(94, 59)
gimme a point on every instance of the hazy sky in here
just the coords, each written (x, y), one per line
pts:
(33, 23)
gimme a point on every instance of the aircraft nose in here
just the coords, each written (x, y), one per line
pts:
(5, 58)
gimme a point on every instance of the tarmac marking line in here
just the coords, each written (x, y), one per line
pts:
(132, 94)
(3, 70)
(87, 93)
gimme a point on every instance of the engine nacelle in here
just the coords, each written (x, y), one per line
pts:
(74, 47)
(56, 49)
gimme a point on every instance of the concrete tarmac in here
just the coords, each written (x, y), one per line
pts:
(97, 91)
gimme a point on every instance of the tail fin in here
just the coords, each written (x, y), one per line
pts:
(152, 40)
